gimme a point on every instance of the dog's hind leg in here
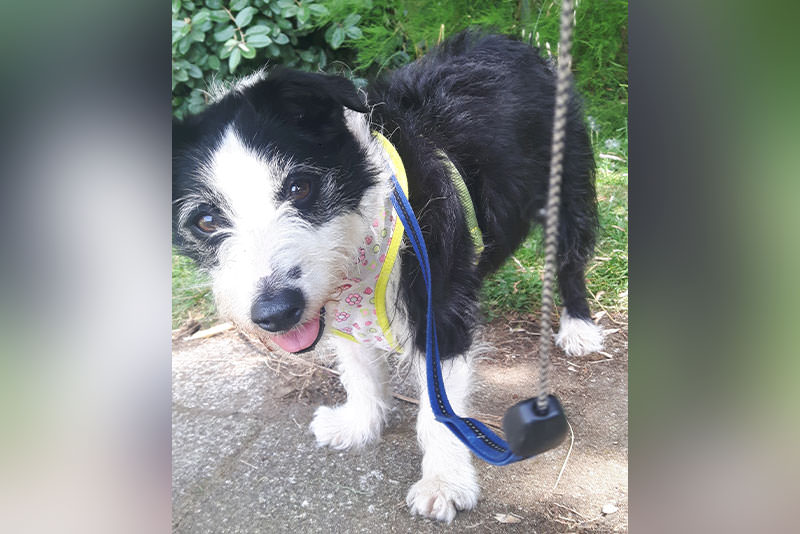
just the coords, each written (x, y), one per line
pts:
(358, 421)
(578, 334)
(449, 481)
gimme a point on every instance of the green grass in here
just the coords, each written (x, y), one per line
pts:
(517, 285)
(515, 288)
(191, 294)
(398, 31)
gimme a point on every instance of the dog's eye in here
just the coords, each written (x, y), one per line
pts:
(206, 223)
(299, 190)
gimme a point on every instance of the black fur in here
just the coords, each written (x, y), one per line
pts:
(487, 102)
(291, 113)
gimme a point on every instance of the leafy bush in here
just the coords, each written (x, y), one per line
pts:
(216, 39)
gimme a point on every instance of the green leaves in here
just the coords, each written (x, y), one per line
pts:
(306, 55)
(287, 8)
(259, 40)
(245, 16)
(258, 30)
(248, 52)
(351, 20)
(227, 48)
(179, 30)
(318, 10)
(201, 17)
(223, 38)
(354, 32)
(180, 75)
(224, 34)
(220, 16)
(338, 32)
(234, 59)
(196, 101)
(195, 72)
(303, 14)
(337, 37)
(289, 11)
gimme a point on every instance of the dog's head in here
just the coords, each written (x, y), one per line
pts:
(268, 184)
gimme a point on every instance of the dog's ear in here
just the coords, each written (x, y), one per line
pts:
(305, 98)
(304, 88)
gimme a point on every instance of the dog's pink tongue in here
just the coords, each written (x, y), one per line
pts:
(299, 338)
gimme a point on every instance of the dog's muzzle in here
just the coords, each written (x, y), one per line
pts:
(281, 311)
(278, 311)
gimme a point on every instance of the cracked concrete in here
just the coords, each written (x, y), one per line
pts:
(245, 461)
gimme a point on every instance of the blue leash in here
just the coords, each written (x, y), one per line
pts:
(537, 424)
(475, 435)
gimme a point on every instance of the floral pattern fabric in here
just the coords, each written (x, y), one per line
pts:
(355, 313)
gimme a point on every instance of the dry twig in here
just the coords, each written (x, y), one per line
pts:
(571, 443)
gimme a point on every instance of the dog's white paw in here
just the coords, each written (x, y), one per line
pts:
(438, 498)
(579, 336)
(342, 428)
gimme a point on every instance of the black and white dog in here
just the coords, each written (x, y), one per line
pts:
(281, 191)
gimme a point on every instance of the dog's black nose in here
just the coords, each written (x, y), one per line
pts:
(278, 311)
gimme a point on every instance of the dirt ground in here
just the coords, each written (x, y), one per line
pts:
(245, 461)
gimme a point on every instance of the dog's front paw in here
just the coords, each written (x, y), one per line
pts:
(342, 428)
(438, 498)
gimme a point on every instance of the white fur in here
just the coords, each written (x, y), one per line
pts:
(358, 125)
(578, 336)
(218, 89)
(358, 421)
(449, 481)
(268, 236)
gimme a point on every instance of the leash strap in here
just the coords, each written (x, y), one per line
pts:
(484, 443)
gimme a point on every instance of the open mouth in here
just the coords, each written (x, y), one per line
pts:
(304, 337)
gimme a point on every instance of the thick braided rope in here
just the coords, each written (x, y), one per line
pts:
(554, 198)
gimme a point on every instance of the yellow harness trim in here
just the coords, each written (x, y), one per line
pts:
(398, 231)
(394, 247)
(391, 253)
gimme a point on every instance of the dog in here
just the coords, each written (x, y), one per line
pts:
(281, 192)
